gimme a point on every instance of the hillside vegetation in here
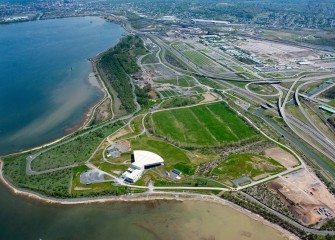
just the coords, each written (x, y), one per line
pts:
(119, 61)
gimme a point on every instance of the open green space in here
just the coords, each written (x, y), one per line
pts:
(210, 83)
(53, 184)
(246, 164)
(331, 103)
(265, 89)
(182, 101)
(249, 75)
(150, 58)
(168, 93)
(180, 81)
(199, 58)
(237, 68)
(173, 156)
(204, 125)
(76, 151)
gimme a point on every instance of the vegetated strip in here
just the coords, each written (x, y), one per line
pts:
(115, 65)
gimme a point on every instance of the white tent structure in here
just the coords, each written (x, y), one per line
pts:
(141, 160)
(146, 160)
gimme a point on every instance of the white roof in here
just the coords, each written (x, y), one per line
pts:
(143, 158)
(134, 174)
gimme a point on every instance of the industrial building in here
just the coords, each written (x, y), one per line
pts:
(141, 161)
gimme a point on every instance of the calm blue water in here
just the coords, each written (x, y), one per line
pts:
(40, 96)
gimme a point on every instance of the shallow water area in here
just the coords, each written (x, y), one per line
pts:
(23, 218)
(44, 87)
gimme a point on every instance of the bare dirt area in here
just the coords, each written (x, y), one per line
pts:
(305, 195)
(80, 188)
(284, 158)
(208, 97)
(103, 112)
(120, 133)
(281, 53)
(153, 94)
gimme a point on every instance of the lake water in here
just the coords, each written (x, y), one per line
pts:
(43, 78)
(25, 219)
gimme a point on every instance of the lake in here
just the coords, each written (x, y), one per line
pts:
(43, 79)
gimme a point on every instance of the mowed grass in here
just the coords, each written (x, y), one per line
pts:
(246, 164)
(168, 93)
(205, 125)
(182, 81)
(173, 156)
(199, 59)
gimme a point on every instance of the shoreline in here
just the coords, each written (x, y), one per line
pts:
(87, 114)
(145, 197)
(86, 117)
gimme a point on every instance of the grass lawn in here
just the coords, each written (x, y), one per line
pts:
(262, 89)
(181, 101)
(246, 164)
(205, 125)
(249, 75)
(237, 68)
(173, 156)
(181, 81)
(76, 151)
(331, 103)
(201, 60)
(168, 93)
(210, 83)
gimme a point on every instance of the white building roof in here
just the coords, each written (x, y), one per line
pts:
(144, 158)
(133, 174)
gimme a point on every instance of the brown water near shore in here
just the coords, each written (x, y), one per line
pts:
(23, 218)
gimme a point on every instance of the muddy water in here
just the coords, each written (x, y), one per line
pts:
(25, 219)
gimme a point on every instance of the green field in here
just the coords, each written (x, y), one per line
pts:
(168, 93)
(331, 103)
(211, 83)
(237, 68)
(265, 89)
(249, 75)
(182, 81)
(199, 58)
(182, 101)
(205, 125)
(52, 184)
(246, 164)
(76, 151)
(173, 156)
